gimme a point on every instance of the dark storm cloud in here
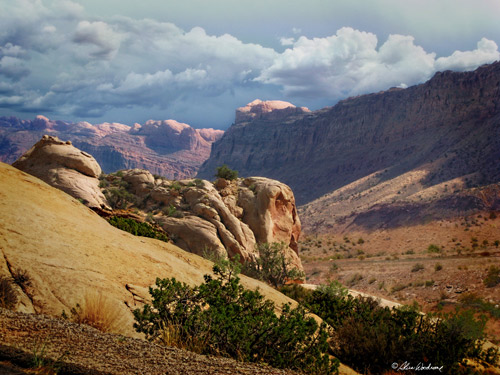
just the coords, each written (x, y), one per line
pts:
(57, 57)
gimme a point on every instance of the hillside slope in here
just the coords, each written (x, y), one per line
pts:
(69, 251)
(445, 131)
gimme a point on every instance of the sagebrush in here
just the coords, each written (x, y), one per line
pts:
(221, 317)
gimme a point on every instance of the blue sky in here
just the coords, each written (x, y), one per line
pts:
(196, 61)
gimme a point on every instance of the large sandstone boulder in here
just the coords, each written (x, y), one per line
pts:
(65, 167)
(269, 210)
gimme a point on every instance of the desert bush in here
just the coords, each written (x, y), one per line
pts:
(354, 279)
(226, 173)
(22, 278)
(369, 337)
(438, 267)
(172, 211)
(8, 295)
(272, 266)
(199, 183)
(398, 287)
(99, 312)
(137, 228)
(221, 317)
(433, 249)
(118, 197)
(296, 292)
(417, 267)
(492, 277)
(473, 301)
(429, 283)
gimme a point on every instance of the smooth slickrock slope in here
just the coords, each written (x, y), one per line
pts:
(67, 250)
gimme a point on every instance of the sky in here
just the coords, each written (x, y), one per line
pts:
(196, 61)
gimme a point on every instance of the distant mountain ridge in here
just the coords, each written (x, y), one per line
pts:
(443, 132)
(168, 148)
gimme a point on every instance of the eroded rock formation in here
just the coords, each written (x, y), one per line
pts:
(226, 218)
(269, 109)
(68, 252)
(65, 167)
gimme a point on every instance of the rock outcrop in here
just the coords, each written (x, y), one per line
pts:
(226, 218)
(445, 131)
(65, 167)
(167, 148)
(68, 251)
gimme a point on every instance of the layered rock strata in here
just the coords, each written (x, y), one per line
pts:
(168, 148)
(447, 127)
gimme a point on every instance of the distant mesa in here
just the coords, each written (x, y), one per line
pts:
(168, 148)
(269, 109)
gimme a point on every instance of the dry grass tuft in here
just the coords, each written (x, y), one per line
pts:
(171, 335)
(99, 312)
(8, 296)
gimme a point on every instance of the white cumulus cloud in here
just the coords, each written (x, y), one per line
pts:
(351, 62)
(56, 59)
(486, 52)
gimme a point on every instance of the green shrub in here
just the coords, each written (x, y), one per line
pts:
(272, 266)
(172, 211)
(398, 287)
(429, 283)
(199, 183)
(493, 277)
(369, 337)
(433, 249)
(8, 296)
(118, 197)
(472, 300)
(176, 185)
(226, 173)
(137, 228)
(221, 317)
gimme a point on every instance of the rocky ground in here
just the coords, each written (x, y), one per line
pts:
(81, 349)
(396, 264)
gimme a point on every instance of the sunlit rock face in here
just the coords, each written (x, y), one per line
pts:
(65, 167)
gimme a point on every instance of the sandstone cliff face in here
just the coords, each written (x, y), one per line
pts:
(65, 167)
(166, 147)
(446, 130)
(69, 251)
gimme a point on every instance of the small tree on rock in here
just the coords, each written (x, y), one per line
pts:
(226, 173)
(272, 266)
